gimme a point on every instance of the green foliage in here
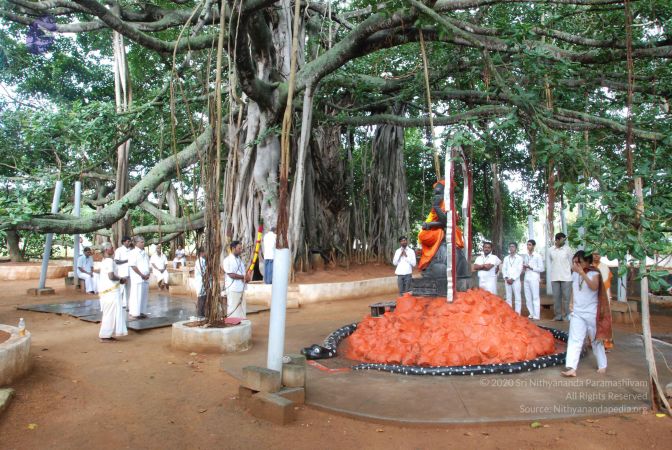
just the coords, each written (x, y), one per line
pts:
(610, 220)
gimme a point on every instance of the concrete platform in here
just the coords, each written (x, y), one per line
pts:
(14, 355)
(163, 310)
(415, 400)
(31, 271)
(539, 395)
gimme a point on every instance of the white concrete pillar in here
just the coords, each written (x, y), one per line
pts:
(50, 237)
(75, 212)
(530, 226)
(276, 327)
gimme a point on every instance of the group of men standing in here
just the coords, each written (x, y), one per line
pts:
(133, 264)
(521, 272)
(529, 266)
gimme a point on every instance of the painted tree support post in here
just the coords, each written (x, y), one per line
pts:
(50, 236)
(448, 201)
(276, 327)
(75, 212)
(622, 291)
(549, 244)
(582, 230)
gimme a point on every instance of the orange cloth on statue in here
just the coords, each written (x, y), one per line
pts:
(431, 239)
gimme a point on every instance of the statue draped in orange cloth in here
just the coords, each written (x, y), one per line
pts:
(432, 237)
(433, 232)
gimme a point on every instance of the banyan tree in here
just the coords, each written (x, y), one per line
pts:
(232, 114)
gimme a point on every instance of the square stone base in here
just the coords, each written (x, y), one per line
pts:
(37, 291)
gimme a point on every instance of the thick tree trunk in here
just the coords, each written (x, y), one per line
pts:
(123, 97)
(250, 180)
(388, 192)
(251, 176)
(296, 216)
(326, 213)
(13, 247)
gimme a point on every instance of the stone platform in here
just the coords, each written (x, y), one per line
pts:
(163, 311)
(31, 271)
(418, 400)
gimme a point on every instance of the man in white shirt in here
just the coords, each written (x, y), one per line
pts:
(268, 251)
(404, 259)
(533, 265)
(512, 267)
(121, 261)
(180, 257)
(487, 266)
(561, 276)
(138, 263)
(85, 271)
(159, 264)
(234, 281)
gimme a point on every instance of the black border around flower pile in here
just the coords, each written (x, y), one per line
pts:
(334, 339)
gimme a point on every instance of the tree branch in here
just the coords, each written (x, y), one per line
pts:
(110, 214)
(409, 122)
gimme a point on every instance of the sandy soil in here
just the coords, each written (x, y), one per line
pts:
(141, 394)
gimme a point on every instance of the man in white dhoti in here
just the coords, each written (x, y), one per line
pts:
(512, 267)
(113, 321)
(584, 318)
(121, 260)
(138, 263)
(85, 271)
(487, 266)
(533, 265)
(180, 258)
(234, 282)
(159, 264)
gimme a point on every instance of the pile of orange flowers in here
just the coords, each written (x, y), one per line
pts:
(477, 328)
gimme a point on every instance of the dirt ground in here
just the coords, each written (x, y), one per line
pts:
(141, 394)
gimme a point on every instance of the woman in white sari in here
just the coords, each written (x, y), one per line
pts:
(113, 321)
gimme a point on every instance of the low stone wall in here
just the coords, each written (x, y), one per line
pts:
(325, 292)
(10, 272)
(303, 294)
(14, 355)
(212, 340)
